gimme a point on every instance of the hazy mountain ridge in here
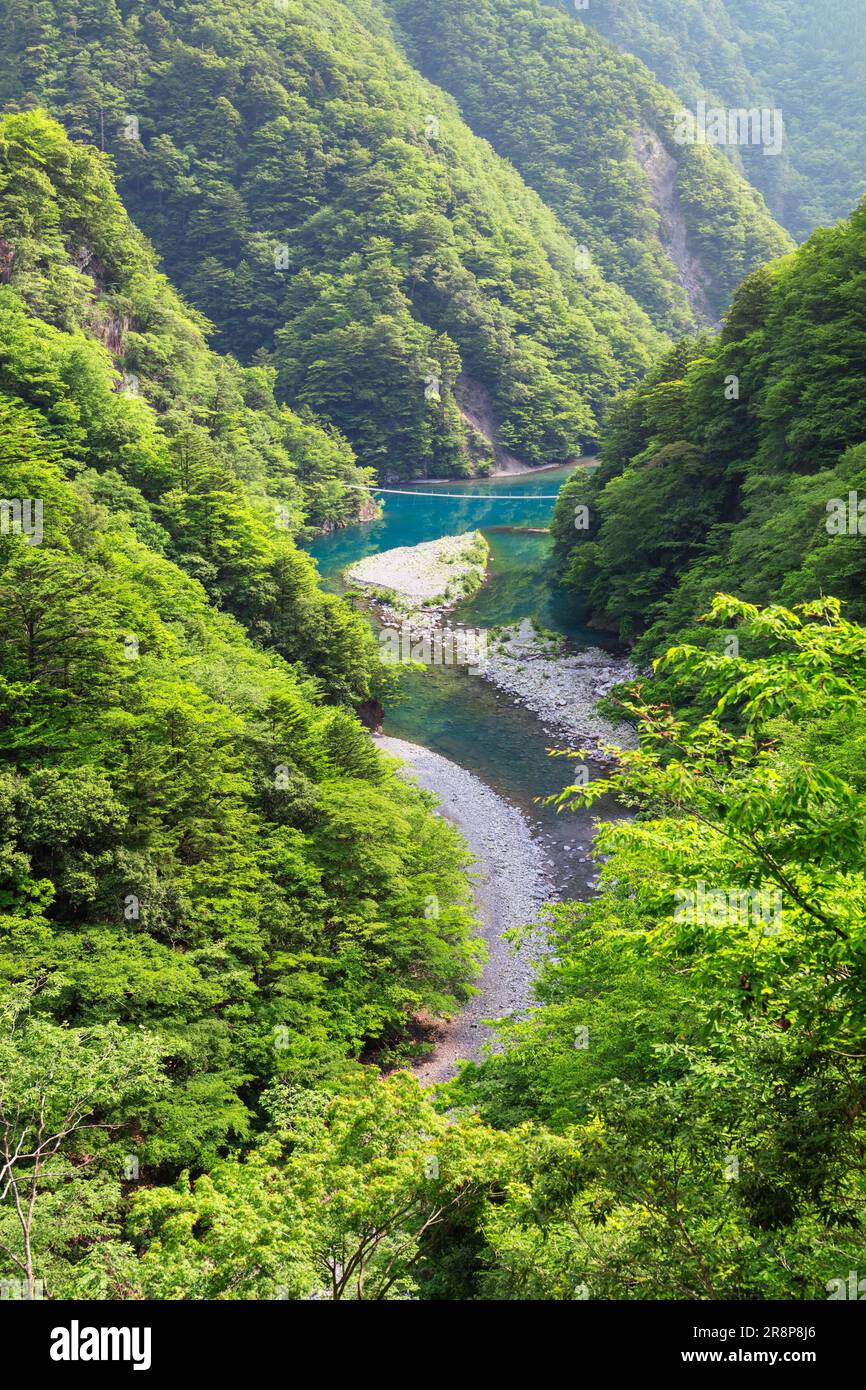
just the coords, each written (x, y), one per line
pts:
(807, 60)
(330, 211)
(569, 110)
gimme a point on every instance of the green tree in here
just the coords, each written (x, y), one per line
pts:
(62, 1092)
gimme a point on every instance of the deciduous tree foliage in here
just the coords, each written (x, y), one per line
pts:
(809, 61)
(699, 1075)
(332, 214)
(592, 132)
(721, 469)
(682, 1115)
(214, 892)
(203, 859)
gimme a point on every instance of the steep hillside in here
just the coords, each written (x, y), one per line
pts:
(329, 210)
(224, 920)
(809, 61)
(185, 816)
(229, 476)
(97, 275)
(740, 462)
(594, 133)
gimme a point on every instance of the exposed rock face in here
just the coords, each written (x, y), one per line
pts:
(661, 169)
(7, 260)
(368, 510)
(473, 400)
(111, 331)
(371, 715)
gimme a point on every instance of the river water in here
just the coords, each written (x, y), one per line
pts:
(446, 708)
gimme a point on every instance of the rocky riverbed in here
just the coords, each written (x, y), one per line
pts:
(511, 885)
(562, 687)
(413, 587)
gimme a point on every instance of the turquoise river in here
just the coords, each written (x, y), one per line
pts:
(446, 708)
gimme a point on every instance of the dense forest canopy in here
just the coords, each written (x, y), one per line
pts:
(806, 60)
(595, 135)
(719, 471)
(199, 840)
(224, 916)
(329, 210)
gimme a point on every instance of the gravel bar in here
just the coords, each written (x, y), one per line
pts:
(511, 884)
(430, 575)
(561, 687)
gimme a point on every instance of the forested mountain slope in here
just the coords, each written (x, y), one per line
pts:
(321, 202)
(327, 207)
(808, 60)
(730, 466)
(215, 896)
(594, 133)
(197, 837)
